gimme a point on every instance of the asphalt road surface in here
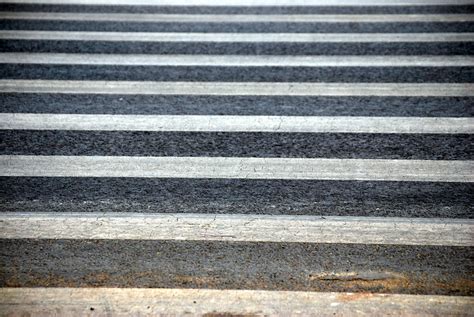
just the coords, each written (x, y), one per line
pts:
(234, 158)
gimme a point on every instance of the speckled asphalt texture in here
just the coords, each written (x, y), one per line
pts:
(239, 105)
(271, 266)
(94, 26)
(292, 197)
(436, 48)
(239, 144)
(241, 265)
(233, 74)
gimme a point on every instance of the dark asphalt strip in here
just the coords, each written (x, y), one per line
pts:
(434, 48)
(324, 145)
(226, 196)
(242, 10)
(232, 74)
(238, 105)
(417, 27)
(237, 265)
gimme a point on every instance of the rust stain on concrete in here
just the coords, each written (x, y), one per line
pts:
(349, 297)
(226, 314)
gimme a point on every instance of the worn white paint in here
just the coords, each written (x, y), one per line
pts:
(236, 60)
(236, 37)
(218, 123)
(237, 167)
(235, 88)
(236, 18)
(236, 227)
(153, 302)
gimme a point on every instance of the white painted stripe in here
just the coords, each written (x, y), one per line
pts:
(237, 18)
(237, 167)
(230, 3)
(236, 37)
(235, 88)
(165, 302)
(251, 228)
(237, 60)
(218, 123)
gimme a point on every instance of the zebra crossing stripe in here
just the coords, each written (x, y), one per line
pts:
(154, 301)
(237, 37)
(238, 168)
(222, 123)
(236, 60)
(238, 227)
(235, 88)
(237, 18)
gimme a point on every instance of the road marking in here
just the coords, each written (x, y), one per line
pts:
(258, 3)
(237, 18)
(235, 88)
(236, 37)
(237, 168)
(250, 228)
(237, 60)
(220, 123)
(159, 301)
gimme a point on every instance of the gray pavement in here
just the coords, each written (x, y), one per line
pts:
(237, 265)
(240, 105)
(348, 198)
(239, 144)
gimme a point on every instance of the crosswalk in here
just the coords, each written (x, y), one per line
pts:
(221, 158)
